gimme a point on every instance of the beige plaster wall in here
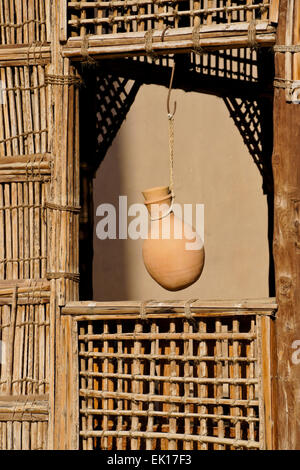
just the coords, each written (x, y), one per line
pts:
(212, 166)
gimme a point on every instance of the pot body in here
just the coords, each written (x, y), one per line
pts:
(173, 253)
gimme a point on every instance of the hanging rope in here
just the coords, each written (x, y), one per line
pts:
(171, 134)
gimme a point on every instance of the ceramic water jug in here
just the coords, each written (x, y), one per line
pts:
(167, 255)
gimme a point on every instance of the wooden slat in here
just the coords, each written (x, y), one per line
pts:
(264, 306)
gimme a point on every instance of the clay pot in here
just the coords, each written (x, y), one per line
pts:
(165, 253)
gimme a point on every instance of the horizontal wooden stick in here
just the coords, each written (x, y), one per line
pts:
(22, 178)
(130, 3)
(234, 35)
(23, 54)
(168, 398)
(163, 414)
(170, 308)
(26, 285)
(169, 436)
(18, 161)
(206, 32)
(26, 170)
(10, 400)
(163, 357)
(23, 416)
(156, 378)
(167, 336)
(26, 301)
(153, 16)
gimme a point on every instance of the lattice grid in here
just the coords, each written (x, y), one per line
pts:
(171, 383)
(120, 16)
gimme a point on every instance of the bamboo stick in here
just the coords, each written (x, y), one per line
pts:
(25, 350)
(251, 388)
(120, 388)
(83, 383)
(43, 21)
(31, 229)
(12, 111)
(19, 17)
(36, 351)
(2, 133)
(28, 118)
(259, 306)
(37, 230)
(6, 320)
(43, 231)
(36, 110)
(33, 433)
(159, 435)
(236, 389)
(202, 389)
(136, 365)
(177, 357)
(90, 386)
(48, 20)
(31, 26)
(19, 110)
(9, 435)
(30, 348)
(11, 343)
(26, 231)
(2, 33)
(249, 13)
(22, 339)
(25, 19)
(17, 363)
(7, 202)
(15, 232)
(218, 390)
(7, 20)
(2, 235)
(219, 335)
(7, 131)
(161, 414)
(188, 386)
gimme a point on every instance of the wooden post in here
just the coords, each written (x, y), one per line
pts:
(286, 169)
(63, 238)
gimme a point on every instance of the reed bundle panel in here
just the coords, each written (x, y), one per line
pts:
(24, 21)
(24, 365)
(171, 382)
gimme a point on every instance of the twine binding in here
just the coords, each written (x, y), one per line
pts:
(63, 80)
(196, 38)
(58, 207)
(143, 309)
(85, 51)
(149, 45)
(252, 35)
(63, 275)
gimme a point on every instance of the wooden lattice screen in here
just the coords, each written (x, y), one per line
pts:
(139, 26)
(171, 379)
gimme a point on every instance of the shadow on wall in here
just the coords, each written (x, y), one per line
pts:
(110, 270)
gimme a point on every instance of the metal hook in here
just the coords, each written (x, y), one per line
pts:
(171, 115)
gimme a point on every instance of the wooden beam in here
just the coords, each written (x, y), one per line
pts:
(179, 40)
(286, 169)
(264, 306)
(63, 240)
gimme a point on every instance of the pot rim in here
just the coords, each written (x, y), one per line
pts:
(161, 199)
